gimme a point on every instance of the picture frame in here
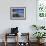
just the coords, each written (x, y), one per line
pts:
(40, 12)
(41, 9)
(17, 13)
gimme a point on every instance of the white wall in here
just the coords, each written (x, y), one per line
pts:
(24, 25)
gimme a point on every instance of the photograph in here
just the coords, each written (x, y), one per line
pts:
(17, 13)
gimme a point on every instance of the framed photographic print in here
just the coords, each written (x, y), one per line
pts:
(41, 8)
(41, 12)
(17, 13)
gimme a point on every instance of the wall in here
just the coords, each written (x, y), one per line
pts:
(24, 25)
